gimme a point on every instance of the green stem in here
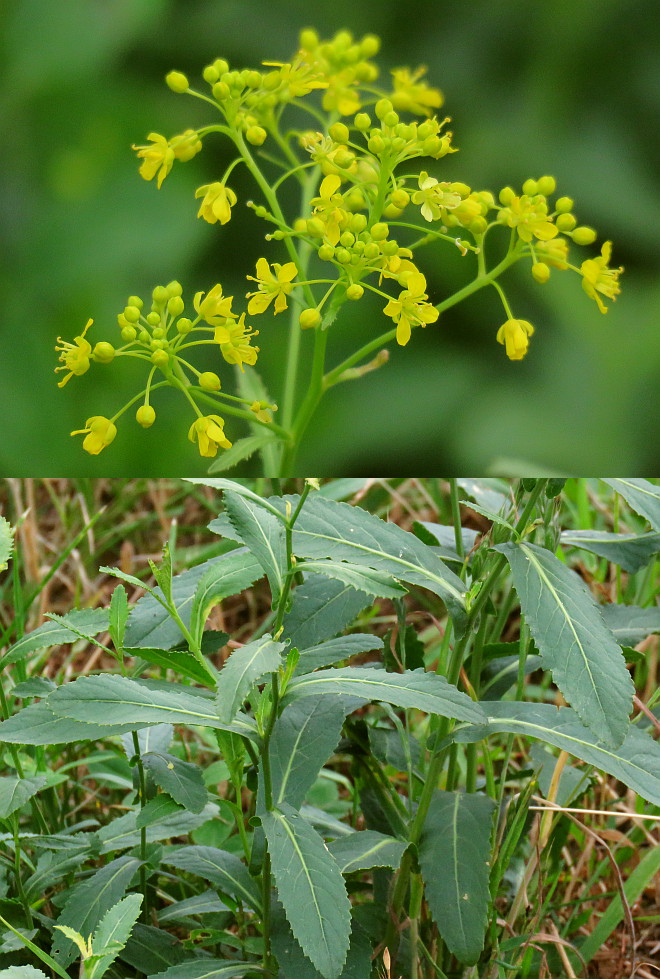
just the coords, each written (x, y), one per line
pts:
(310, 402)
(143, 829)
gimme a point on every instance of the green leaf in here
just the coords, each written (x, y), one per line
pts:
(335, 650)
(240, 450)
(294, 964)
(454, 851)
(220, 868)
(367, 580)
(113, 932)
(124, 832)
(206, 903)
(326, 529)
(631, 551)
(149, 624)
(90, 621)
(180, 779)
(37, 724)
(122, 700)
(15, 792)
(156, 738)
(243, 668)
(636, 762)
(89, 900)
(34, 686)
(264, 536)
(159, 808)
(241, 490)
(118, 616)
(574, 643)
(429, 692)
(6, 543)
(22, 972)
(445, 537)
(151, 950)
(229, 576)
(630, 623)
(641, 495)
(170, 659)
(206, 968)
(304, 736)
(320, 609)
(311, 889)
(366, 849)
(491, 493)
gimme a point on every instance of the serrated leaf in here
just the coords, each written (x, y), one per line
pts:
(114, 930)
(34, 686)
(156, 738)
(170, 659)
(641, 495)
(631, 551)
(6, 543)
(371, 582)
(630, 624)
(263, 534)
(454, 851)
(220, 868)
(38, 725)
(320, 609)
(206, 969)
(22, 972)
(15, 792)
(89, 900)
(180, 779)
(367, 849)
(445, 537)
(335, 650)
(109, 696)
(304, 736)
(237, 571)
(90, 621)
(294, 964)
(150, 950)
(123, 832)
(243, 668)
(429, 692)
(327, 529)
(574, 643)
(156, 810)
(118, 616)
(311, 889)
(149, 624)
(636, 762)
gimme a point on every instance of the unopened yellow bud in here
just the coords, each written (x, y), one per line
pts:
(309, 39)
(326, 253)
(145, 416)
(376, 144)
(530, 187)
(584, 235)
(256, 135)
(369, 45)
(380, 231)
(135, 301)
(253, 79)
(153, 318)
(362, 121)
(175, 306)
(546, 185)
(506, 195)
(358, 223)
(221, 91)
(160, 295)
(309, 319)
(209, 381)
(355, 291)
(210, 74)
(540, 272)
(347, 239)
(177, 81)
(221, 66)
(383, 106)
(184, 325)
(128, 334)
(478, 226)
(103, 352)
(316, 228)
(392, 212)
(174, 288)
(564, 204)
(400, 198)
(131, 314)
(339, 132)
(343, 256)
(565, 222)
(160, 358)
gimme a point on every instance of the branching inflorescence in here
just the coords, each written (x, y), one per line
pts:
(366, 211)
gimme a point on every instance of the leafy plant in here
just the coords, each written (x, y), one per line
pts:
(373, 810)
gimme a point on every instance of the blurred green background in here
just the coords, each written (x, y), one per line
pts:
(567, 87)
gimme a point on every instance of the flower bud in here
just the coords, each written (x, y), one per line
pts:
(355, 291)
(530, 187)
(369, 45)
(376, 144)
(400, 198)
(309, 319)
(362, 121)
(383, 106)
(135, 301)
(221, 66)
(128, 334)
(584, 235)
(339, 132)
(326, 253)
(379, 231)
(256, 135)
(564, 204)
(160, 358)
(221, 91)
(358, 223)
(347, 239)
(153, 318)
(391, 118)
(546, 185)
(316, 227)
(160, 295)
(506, 195)
(103, 352)
(177, 81)
(209, 381)
(210, 74)
(565, 222)
(131, 314)
(540, 272)
(184, 326)
(343, 256)
(145, 416)
(175, 306)
(174, 288)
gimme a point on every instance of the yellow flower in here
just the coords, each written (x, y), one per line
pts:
(515, 334)
(296, 79)
(271, 286)
(98, 432)
(158, 159)
(75, 356)
(214, 307)
(326, 206)
(186, 145)
(553, 253)
(596, 277)
(529, 216)
(411, 308)
(262, 410)
(434, 196)
(412, 95)
(208, 432)
(217, 204)
(234, 339)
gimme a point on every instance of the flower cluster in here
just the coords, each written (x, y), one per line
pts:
(374, 193)
(160, 338)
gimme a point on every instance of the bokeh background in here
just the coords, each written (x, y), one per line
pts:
(567, 87)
